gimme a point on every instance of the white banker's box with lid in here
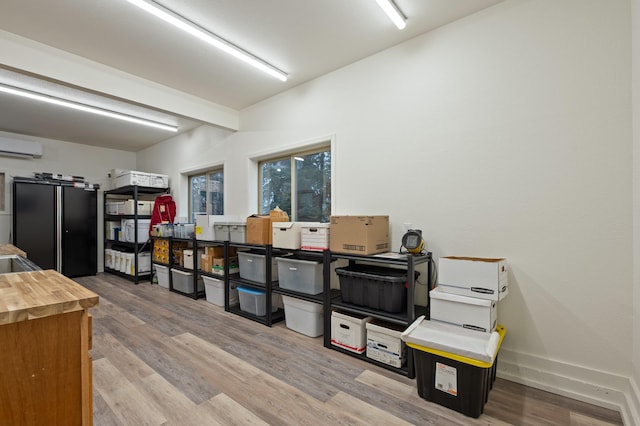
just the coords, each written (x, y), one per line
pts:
(474, 277)
(464, 311)
(314, 236)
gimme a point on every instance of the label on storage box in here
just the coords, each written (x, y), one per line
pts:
(446, 379)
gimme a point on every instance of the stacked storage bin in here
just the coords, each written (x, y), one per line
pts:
(306, 277)
(379, 288)
(450, 368)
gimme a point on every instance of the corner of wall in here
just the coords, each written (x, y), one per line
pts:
(630, 409)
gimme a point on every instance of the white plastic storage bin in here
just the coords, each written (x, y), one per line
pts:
(144, 263)
(212, 227)
(125, 262)
(252, 267)
(129, 230)
(468, 312)
(108, 258)
(300, 275)
(183, 281)
(314, 236)
(303, 316)
(237, 231)
(286, 235)
(255, 301)
(162, 272)
(214, 291)
(384, 344)
(349, 331)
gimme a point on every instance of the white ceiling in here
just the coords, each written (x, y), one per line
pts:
(304, 38)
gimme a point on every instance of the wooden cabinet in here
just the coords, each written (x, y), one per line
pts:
(45, 336)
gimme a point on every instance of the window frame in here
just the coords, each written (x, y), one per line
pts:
(326, 146)
(204, 172)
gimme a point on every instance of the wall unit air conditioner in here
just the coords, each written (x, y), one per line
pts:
(20, 149)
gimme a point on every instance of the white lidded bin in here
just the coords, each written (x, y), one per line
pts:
(212, 227)
(255, 301)
(303, 316)
(304, 276)
(129, 229)
(314, 236)
(125, 262)
(237, 231)
(464, 311)
(108, 257)
(214, 291)
(183, 281)
(162, 272)
(349, 331)
(253, 267)
(144, 263)
(384, 344)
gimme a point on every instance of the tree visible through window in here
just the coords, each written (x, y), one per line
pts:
(206, 194)
(299, 184)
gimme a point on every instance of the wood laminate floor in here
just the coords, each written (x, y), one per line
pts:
(160, 358)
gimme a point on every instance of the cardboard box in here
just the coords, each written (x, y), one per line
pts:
(286, 235)
(314, 236)
(359, 234)
(467, 312)
(188, 257)
(484, 278)
(144, 207)
(216, 251)
(349, 332)
(205, 263)
(259, 230)
(115, 207)
(217, 266)
(384, 343)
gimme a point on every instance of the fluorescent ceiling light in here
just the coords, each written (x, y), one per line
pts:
(82, 107)
(298, 158)
(393, 13)
(185, 25)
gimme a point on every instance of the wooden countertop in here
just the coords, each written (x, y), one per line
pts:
(11, 249)
(37, 294)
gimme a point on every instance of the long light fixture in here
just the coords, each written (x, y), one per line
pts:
(208, 37)
(392, 11)
(83, 107)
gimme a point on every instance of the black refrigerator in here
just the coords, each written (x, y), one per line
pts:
(56, 224)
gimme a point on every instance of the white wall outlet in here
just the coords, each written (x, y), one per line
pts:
(406, 226)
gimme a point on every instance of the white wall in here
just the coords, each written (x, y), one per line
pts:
(634, 394)
(67, 158)
(507, 133)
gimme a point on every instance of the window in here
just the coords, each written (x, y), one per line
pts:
(299, 184)
(207, 193)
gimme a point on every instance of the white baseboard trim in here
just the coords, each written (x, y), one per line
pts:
(631, 410)
(603, 389)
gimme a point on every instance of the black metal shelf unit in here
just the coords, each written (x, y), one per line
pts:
(234, 280)
(191, 243)
(197, 267)
(136, 247)
(405, 318)
(327, 293)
